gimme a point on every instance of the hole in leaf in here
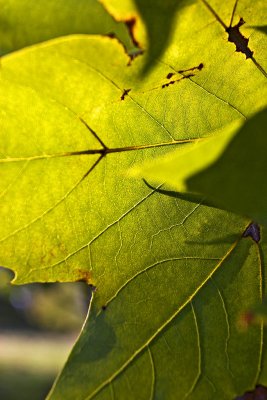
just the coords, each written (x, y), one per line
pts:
(253, 230)
(259, 393)
(240, 41)
(235, 36)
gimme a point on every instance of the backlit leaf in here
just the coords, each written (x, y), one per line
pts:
(172, 276)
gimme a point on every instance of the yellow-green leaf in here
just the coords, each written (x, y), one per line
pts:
(171, 276)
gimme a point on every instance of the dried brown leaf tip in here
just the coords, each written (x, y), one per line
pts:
(259, 393)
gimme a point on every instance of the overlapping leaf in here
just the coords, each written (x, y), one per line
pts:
(207, 168)
(163, 320)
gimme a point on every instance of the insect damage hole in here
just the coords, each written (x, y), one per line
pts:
(240, 41)
(186, 73)
(253, 230)
(235, 36)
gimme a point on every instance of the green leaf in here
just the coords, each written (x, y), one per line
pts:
(26, 22)
(175, 167)
(163, 319)
(244, 190)
(168, 343)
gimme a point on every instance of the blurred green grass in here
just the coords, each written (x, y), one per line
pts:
(30, 362)
(39, 324)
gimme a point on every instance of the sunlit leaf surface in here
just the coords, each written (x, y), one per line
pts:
(172, 276)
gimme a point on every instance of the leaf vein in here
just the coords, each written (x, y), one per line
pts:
(163, 326)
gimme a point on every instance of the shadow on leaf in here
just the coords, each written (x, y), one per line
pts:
(159, 18)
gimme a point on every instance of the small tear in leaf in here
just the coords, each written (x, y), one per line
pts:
(253, 230)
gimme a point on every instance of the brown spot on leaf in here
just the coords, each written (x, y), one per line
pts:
(189, 75)
(176, 80)
(259, 393)
(240, 41)
(84, 276)
(170, 75)
(125, 92)
(246, 319)
(178, 76)
(182, 72)
(198, 67)
(104, 307)
(168, 84)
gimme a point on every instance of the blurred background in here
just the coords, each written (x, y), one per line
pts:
(39, 324)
